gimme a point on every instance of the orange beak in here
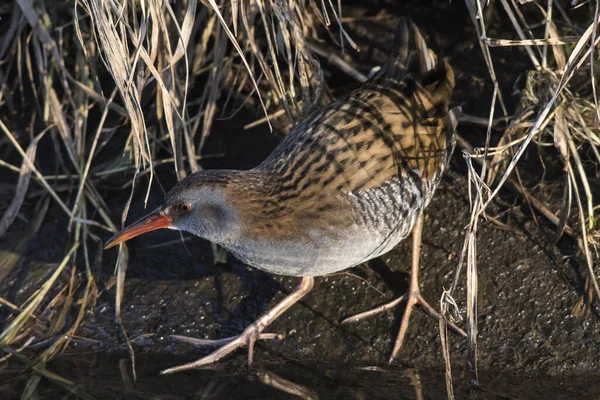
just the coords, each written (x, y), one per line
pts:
(151, 222)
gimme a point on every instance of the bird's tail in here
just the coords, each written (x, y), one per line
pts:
(411, 56)
(409, 53)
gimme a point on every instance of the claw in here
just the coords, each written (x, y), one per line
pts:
(250, 335)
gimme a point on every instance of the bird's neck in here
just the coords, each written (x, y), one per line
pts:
(240, 200)
(245, 188)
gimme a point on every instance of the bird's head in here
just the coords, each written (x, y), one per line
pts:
(203, 204)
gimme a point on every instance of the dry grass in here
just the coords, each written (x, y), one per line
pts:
(554, 111)
(87, 77)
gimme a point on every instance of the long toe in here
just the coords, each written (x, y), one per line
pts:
(410, 304)
(415, 298)
(220, 342)
(429, 310)
(202, 342)
(250, 335)
(374, 311)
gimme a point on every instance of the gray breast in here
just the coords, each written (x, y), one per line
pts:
(382, 217)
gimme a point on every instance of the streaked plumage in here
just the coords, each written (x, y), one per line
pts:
(348, 181)
(345, 185)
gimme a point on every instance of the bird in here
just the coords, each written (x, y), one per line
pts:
(346, 185)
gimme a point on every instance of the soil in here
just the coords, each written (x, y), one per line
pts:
(529, 344)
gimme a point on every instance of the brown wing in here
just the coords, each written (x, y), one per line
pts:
(394, 124)
(369, 136)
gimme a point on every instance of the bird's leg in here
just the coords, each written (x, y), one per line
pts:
(412, 297)
(252, 332)
(414, 293)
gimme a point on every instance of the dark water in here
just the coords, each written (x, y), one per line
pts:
(108, 376)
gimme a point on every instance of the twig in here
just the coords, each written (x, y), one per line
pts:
(518, 189)
(531, 42)
(337, 61)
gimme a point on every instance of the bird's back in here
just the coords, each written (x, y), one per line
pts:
(354, 175)
(397, 122)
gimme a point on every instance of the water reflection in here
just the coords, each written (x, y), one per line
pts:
(106, 375)
(284, 385)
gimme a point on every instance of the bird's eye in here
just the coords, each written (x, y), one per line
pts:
(185, 207)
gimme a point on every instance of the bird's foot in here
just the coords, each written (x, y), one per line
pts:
(412, 298)
(228, 345)
(250, 335)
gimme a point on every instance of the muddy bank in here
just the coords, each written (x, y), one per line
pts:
(527, 292)
(527, 332)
